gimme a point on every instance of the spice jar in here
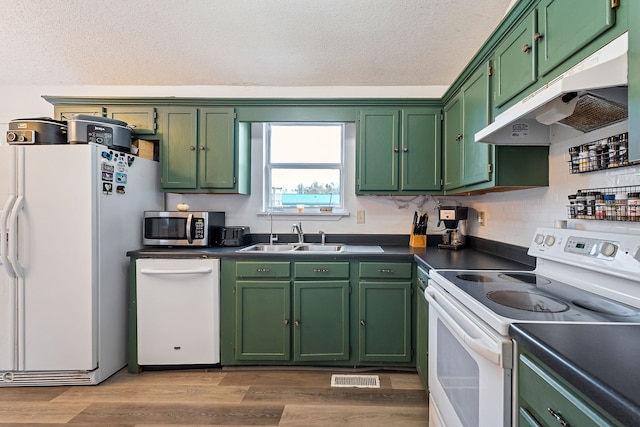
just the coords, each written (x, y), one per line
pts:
(633, 206)
(621, 206)
(572, 206)
(581, 208)
(623, 153)
(614, 146)
(601, 207)
(590, 203)
(610, 202)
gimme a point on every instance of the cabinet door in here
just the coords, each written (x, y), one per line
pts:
(143, 120)
(420, 156)
(565, 26)
(321, 320)
(540, 392)
(515, 62)
(263, 330)
(475, 116)
(453, 143)
(65, 113)
(378, 150)
(216, 149)
(179, 148)
(384, 321)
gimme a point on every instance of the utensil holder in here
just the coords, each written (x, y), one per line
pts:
(417, 240)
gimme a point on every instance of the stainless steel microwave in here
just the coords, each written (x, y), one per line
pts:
(175, 228)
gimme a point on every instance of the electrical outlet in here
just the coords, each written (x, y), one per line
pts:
(481, 218)
(360, 217)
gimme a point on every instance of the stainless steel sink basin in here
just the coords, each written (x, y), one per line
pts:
(264, 247)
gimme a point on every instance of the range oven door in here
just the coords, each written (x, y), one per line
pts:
(469, 367)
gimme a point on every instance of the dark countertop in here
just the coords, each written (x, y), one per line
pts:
(599, 360)
(479, 255)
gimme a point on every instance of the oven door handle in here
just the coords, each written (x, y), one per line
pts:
(455, 321)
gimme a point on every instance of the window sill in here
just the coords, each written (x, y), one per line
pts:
(310, 213)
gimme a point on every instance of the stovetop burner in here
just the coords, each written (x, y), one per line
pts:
(528, 301)
(528, 296)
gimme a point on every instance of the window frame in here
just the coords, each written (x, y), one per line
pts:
(269, 166)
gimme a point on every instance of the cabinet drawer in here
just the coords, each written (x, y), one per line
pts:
(385, 270)
(315, 270)
(262, 269)
(545, 398)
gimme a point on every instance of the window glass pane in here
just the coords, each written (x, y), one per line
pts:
(311, 187)
(306, 144)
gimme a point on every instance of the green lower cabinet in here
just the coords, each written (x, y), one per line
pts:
(263, 330)
(384, 321)
(546, 400)
(321, 320)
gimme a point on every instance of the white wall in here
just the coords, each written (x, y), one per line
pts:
(510, 217)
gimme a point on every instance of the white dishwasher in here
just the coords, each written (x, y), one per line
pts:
(178, 311)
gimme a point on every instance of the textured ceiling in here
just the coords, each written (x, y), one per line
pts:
(242, 42)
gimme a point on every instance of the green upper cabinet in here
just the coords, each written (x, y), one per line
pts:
(201, 152)
(515, 62)
(467, 162)
(398, 151)
(566, 26)
(142, 119)
(551, 34)
(63, 112)
(178, 151)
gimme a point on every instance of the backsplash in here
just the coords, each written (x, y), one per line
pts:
(512, 217)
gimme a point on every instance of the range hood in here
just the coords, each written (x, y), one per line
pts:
(589, 96)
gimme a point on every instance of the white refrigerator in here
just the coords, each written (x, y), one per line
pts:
(69, 215)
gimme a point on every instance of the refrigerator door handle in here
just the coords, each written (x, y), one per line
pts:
(188, 231)
(13, 238)
(4, 237)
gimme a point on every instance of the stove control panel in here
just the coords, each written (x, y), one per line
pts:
(590, 247)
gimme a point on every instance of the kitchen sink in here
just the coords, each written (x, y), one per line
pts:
(310, 248)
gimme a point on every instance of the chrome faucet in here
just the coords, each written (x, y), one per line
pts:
(297, 228)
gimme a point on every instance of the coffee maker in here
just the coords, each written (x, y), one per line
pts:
(453, 238)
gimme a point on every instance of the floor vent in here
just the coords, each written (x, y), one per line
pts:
(361, 381)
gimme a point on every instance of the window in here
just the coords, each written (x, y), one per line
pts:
(303, 165)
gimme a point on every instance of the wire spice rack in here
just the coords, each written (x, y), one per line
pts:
(606, 153)
(606, 203)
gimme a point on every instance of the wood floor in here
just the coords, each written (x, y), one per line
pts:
(220, 397)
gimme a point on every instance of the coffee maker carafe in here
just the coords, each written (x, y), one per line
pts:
(453, 238)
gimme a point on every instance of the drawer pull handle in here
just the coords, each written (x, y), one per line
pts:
(385, 270)
(263, 270)
(558, 417)
(321, 270)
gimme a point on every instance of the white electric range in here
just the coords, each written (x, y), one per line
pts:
(580, 277)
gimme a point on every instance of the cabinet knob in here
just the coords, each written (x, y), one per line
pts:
(459, 137)
(202, 148)
(286, 322)
(526, 48)
(297, 323)
(362, 322)
(192, 148)
(537, 36)
(395, 150)
(405, 149)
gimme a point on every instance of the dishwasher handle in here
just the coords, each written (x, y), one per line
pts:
(152, 271)
(455, 321)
